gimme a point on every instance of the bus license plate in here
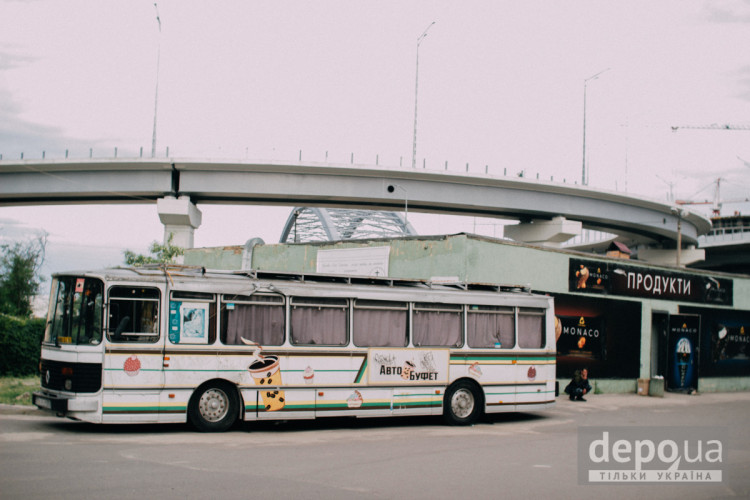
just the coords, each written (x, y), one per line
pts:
(43, 403)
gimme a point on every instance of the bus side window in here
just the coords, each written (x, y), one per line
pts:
(379, 323)
(436, 325)
(530, 328)
(257, 318)
(491, 327)
(133, 314)
(318, 321)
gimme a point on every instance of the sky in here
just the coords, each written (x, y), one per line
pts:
(500, 88)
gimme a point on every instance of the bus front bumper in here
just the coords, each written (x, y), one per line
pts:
(62, 403)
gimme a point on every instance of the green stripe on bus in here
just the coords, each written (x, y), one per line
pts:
(428, 395)
(345, 406)
(361, 373)
(239, 370)
(317, 371)
(507, 357)
(130, 409)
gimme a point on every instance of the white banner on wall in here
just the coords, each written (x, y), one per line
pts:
(371, 261)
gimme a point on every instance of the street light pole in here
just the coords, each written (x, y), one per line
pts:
(416, 93)
(156, 92)
(679, 213)
(584, 180)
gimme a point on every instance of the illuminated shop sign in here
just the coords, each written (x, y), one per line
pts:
(581, 336)
(730, 342)
(587, 276)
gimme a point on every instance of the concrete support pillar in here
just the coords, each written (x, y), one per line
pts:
(180, 218)
(552, 233)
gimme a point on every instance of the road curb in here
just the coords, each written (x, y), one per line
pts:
(6, 409)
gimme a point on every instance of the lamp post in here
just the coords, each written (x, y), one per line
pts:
(680, 214)
(416, 93)
(156, 92)
(584, 180)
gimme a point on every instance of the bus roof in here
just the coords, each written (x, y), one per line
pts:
(312, 284)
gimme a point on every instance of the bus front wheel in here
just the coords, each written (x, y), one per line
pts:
(214, 407)
(463, 403)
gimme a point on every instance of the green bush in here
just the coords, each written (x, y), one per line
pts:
(20, 341)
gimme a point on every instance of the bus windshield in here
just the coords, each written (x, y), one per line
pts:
(76, 311)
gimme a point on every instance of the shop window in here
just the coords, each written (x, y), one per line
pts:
(436, 325)
(256, 318)
(530, 328)
(380, 324)
(133, 314)
(490, 327)
(318, 321)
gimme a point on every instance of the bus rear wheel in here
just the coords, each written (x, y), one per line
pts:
(462, 404)
(214, 407)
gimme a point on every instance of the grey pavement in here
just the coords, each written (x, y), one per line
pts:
(523, 455)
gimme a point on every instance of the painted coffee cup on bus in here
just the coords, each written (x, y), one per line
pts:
(267, 374)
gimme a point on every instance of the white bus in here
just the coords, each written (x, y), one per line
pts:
(177, 344)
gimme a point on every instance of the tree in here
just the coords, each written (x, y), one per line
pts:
(20, 263)
(162, 254)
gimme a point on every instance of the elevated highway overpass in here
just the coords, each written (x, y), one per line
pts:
(544, 208)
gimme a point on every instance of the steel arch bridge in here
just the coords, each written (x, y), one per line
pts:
(307, 224)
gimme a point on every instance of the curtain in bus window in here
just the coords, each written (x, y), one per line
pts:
(433, 328)
(261, 324)
(530, 330)
(318, 325)
(489, 329)
(379, 328)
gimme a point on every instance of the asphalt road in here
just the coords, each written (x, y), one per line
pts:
(525, 455)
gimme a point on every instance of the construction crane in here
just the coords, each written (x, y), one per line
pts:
(716, 208)
(713, 126)
(716, 203)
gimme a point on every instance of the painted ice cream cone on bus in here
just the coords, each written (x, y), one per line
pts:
(308, 375)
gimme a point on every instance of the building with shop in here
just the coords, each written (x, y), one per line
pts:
(623, 319)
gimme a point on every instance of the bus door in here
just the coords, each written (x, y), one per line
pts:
(133, 371)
